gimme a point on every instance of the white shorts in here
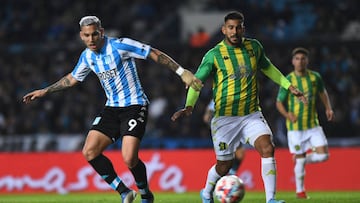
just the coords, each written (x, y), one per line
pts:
(228, 132)
(301, 141)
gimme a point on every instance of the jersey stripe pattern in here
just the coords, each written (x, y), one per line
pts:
(115, 67)
(235, 69)
(311, 85)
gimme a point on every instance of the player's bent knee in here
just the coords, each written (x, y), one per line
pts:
(89, 154)
(223, 167)
(130, 162)
(266, 151)
(264, 146)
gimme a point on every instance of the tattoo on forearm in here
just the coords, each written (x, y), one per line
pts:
(166, 60)
(63, 83)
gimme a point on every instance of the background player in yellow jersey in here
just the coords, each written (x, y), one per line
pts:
(304, 131)
(233, 65)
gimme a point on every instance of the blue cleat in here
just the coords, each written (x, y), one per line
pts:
(276, 201)
(204, 200)
(149, 200)
(128, 196)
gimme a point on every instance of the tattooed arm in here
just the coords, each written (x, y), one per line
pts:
(187, 77)
(64, 83)
(161, 58)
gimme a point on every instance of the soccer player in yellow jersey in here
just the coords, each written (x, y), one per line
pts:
(240, 150)
(233, 65)
(304, 131)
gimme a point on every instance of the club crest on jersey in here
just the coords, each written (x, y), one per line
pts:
(251, 53)
(107, 59)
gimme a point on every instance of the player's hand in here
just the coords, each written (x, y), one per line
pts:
(34, 95)
(291, 117)
(330, 115)
(187, 111)
(190, 80)
(300, 95)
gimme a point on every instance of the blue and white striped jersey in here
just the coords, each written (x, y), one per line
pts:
(115, 67)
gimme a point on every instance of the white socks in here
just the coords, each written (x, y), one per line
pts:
(212, 177)
(299, 171)
(268, 172)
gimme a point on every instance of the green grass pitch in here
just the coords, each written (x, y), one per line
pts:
(189, 197)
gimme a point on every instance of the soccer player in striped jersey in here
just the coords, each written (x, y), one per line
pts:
(125, 113)
(304, 131)
(233, 65)
(240, 151)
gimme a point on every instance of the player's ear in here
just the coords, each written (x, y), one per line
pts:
(223, 29)
(81, 35)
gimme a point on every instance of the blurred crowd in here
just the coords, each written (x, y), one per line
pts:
(40, 44)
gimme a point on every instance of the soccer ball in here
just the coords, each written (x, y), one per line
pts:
(229, 189)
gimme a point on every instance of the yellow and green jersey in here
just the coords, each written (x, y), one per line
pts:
(235, 72)
(311, 84)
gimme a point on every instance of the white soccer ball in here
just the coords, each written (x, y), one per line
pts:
(229, 189)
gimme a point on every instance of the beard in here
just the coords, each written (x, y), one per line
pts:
(234, 40)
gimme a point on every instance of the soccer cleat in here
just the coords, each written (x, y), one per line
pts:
(302, 195)
(204, 200)
(276, 201)
(128, 196)
(149, 200)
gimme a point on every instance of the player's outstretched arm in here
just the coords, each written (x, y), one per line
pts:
(187, 77)
(300, 95)
(64, 83)
(187, 111)
(191, 99)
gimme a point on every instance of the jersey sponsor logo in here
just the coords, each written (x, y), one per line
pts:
(108, 74)
(242, 72)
